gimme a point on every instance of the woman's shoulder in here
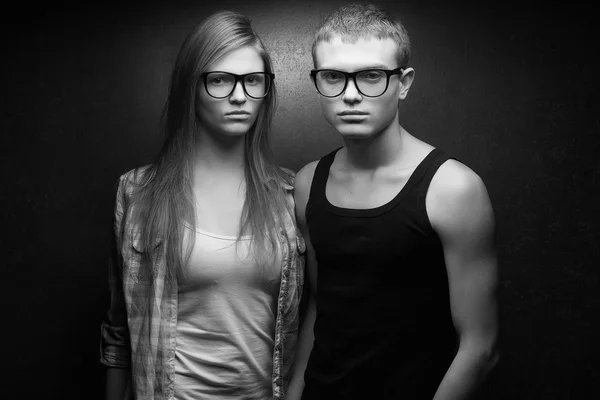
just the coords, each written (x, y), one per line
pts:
(135, 178)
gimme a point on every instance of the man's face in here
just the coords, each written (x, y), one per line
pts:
(377, 113)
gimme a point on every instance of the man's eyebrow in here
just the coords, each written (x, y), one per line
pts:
(377, 66)
(371, 66)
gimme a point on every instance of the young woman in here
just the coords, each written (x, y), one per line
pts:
(207, 268)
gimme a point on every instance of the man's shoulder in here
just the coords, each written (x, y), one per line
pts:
(305, 176)
(456, 195)
(454, 178)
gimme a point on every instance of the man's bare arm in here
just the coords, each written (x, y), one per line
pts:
(306, 336)
(461, 213)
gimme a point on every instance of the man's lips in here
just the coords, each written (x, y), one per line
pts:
(351, 112)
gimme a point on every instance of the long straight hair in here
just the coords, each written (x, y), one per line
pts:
(165, 198)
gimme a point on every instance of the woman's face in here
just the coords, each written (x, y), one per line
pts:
(234, 114)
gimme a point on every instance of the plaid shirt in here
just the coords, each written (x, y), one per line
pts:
(138, 331)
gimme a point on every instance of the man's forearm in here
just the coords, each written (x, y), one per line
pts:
(305, 344)
(466, 373)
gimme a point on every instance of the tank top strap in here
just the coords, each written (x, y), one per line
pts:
(427, 170)
(431, 164)
(319, 181)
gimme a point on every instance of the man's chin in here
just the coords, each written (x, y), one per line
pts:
(355, 132)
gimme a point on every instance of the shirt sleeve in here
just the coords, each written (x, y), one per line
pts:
(115, 350)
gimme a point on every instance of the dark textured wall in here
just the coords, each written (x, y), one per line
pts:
(509, 88)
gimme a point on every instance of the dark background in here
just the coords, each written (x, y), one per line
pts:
(510, 88)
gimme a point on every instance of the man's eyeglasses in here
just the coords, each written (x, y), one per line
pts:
(219, 84)
(369, 82)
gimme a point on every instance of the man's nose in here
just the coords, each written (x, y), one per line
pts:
(351, 93)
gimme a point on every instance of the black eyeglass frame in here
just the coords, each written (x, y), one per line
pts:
(237, 78)
(348, 75)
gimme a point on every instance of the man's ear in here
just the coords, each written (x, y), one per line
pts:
(406, 80)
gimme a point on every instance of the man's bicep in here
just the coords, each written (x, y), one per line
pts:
(472, 283)
(468, 240)
(462, 215)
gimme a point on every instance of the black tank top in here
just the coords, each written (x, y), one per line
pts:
(383, 327)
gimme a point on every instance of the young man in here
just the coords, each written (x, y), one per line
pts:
(400, 237)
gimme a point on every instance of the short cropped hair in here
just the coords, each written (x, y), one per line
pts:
(363, 20)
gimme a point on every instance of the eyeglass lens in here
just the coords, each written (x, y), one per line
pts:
(369, 82)
(221, 84)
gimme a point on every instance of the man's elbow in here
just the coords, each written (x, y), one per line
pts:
(487, 358)
(491, 358)
(484, 356)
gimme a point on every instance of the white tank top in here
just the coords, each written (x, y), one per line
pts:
(226, 322)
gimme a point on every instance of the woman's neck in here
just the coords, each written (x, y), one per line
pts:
(221, 157)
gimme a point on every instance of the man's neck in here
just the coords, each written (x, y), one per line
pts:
(379, 151)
